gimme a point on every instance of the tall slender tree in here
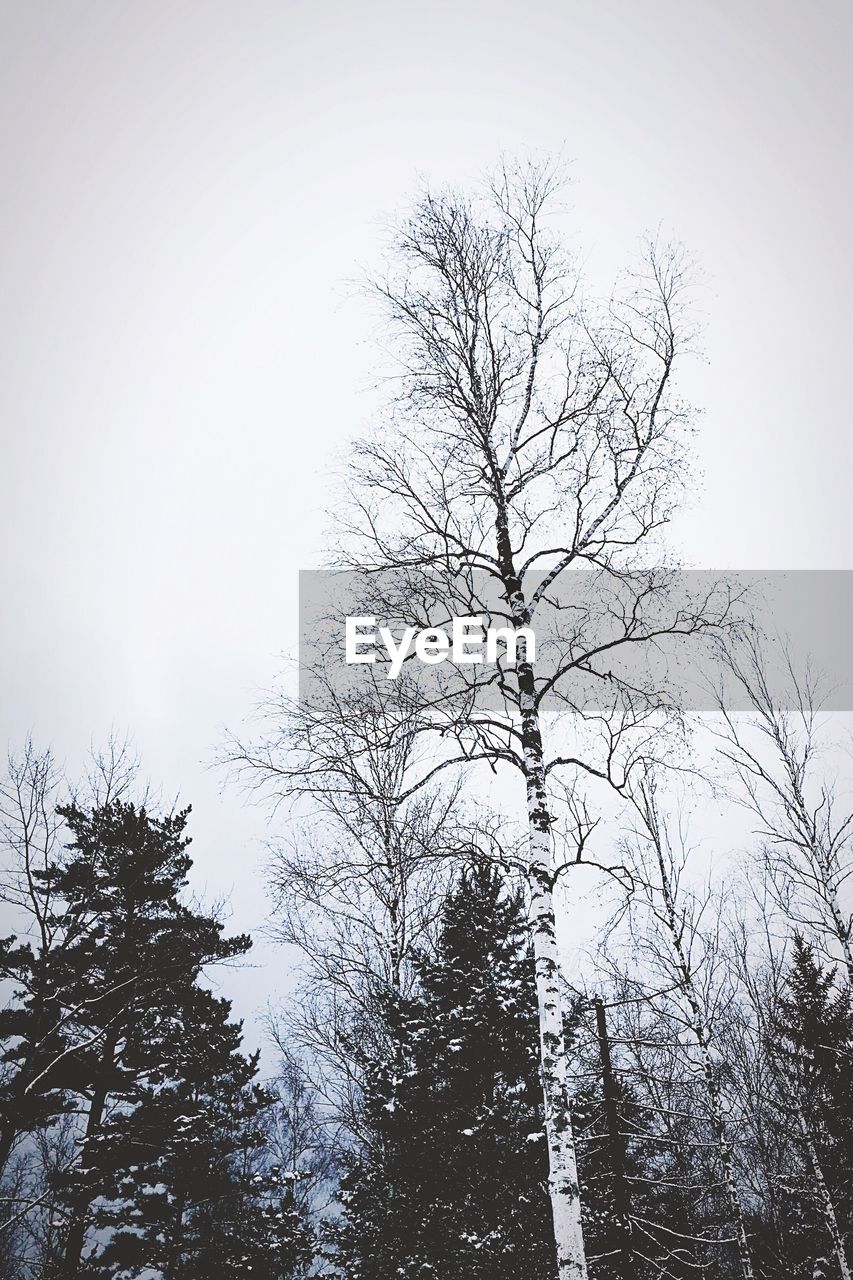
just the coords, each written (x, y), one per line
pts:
(530, 439)
(675, 926)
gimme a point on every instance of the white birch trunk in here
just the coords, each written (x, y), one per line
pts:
(824, 1198)
(562, 1162)
(563, 1188)
(842, 931)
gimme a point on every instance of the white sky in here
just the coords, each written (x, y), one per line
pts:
(187, 187)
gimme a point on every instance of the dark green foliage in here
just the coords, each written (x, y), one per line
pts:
(171, 1174)
(812, 1048)
(190, 1190)
(453, 1180)
(35, 1071)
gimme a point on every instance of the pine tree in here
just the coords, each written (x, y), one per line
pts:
(452, 1181)
(115, 1051)
(113, 1023)
(128, 980)
(34, 1042)
(172, 1174)
(187, 1189)
(812, 1048)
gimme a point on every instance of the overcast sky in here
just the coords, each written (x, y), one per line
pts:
(188, 188)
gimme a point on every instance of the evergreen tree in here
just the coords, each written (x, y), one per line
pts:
(154, 1054)
(34, 1042)
(812, 1048)
(128, 977)
(111, 1031)
(452, 1180)
(185, 1186)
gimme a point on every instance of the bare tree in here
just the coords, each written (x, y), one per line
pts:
(359, 876)
(531, 438)
(680, 934)
(297, 1139)
(752, 933)
(806, 829)
(673, 1201)
(770, 1080)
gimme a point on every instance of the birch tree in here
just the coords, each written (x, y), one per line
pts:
(532, 437)
(766, 1146)
(359, 875)
(680, 938)
(805, 826)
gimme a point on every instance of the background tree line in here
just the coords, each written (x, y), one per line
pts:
(448, 1103)
(708, 1045)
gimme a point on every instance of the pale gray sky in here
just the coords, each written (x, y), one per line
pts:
(187, 187)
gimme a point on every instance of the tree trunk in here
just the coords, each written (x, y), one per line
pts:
(8, 1134)
(563, 1177)
(842, 933)
(824, 1198)
(77, 1231)
(563, 1187)
(615, 1145)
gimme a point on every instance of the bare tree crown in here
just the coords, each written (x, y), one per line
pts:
(515, 394)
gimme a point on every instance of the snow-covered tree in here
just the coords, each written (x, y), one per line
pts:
(128, 977)
(453, 1180)
(532, 437)
(811, 1047)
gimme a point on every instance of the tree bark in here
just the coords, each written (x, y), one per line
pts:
(8, 1134)
(824, 1198)
(842, 932)
(563, 1177)
(563, 1185)
(615, 1144)
(77, 1231)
